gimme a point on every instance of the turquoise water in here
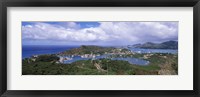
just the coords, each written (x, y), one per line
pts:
(134, 61)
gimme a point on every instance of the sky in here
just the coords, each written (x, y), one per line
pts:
(97, 33)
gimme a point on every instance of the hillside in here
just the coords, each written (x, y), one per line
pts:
(163, 45)
(88, 49)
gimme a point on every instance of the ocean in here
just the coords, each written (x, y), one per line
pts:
(30, 50)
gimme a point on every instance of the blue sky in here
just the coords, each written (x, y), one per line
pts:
(97, 33)
(80, 24)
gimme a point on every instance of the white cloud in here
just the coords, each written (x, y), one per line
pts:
(121, 32)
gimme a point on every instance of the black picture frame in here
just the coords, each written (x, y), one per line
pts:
(99, 3)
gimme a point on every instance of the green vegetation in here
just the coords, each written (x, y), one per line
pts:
(160, 64)
(47, 58)
(51, 64)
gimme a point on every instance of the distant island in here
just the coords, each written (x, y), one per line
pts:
(151, 45)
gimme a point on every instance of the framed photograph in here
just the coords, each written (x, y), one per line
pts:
(60, 48)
